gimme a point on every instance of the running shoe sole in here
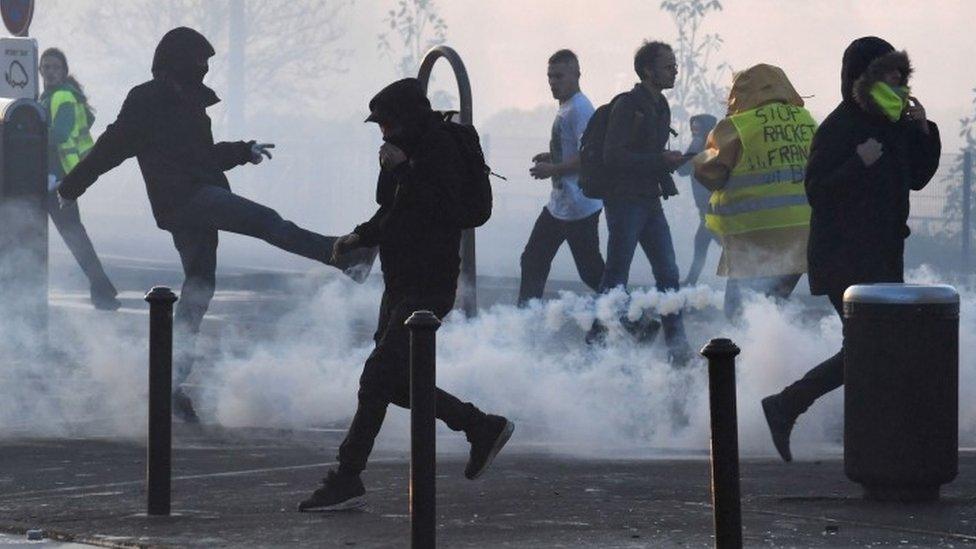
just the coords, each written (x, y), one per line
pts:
(499, 444)
(351, 504)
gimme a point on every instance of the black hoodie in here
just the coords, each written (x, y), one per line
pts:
(164, 124)
(858, 225)
(415, 226)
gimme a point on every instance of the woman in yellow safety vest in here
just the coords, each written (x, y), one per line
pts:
(69, 140)
(754, 162)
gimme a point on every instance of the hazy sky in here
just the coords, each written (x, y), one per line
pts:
(505, 44)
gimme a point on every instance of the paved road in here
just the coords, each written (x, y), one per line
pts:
(236, 488)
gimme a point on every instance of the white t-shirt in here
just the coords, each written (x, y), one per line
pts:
(567, 202)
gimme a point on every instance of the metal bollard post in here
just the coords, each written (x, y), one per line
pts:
(159, 444)
(423, 374)
(725, 443)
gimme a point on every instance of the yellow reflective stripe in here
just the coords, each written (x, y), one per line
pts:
(778, 218)
(721, 197)
(761, 203)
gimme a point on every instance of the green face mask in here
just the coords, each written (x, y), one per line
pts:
(892, 100)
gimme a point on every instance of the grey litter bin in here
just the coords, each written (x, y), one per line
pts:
(901, 389)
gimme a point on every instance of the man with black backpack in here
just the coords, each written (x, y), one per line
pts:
(432, 184)
(632, 174)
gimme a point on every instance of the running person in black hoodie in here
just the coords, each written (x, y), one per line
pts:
(164, 124)
(866, 157)
(419, 240)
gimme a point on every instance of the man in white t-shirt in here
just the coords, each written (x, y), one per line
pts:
(569, 216)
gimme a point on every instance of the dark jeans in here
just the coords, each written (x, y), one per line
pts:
(194, 228)
(386, 379)
(68, 223)
(824, 378)
(547, 236)
(703, 237)
(640, 220)
(780, 287)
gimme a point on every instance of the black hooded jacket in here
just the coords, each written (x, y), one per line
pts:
(858, 225)
(415, 226)
(164, 124)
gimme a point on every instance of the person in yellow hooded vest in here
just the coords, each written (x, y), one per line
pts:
(754, 163)
(70, 119)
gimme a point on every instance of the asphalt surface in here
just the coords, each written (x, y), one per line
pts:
(236, 488)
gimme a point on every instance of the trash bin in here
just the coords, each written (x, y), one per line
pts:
(901, 389)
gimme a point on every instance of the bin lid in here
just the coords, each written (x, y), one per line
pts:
(902, 294)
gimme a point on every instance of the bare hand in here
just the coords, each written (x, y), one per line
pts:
(259, 151)
(870, 151)
(391, 156)
(343, 245)
(542, 157)
(674, 159)
(916, 113)
(543, 170)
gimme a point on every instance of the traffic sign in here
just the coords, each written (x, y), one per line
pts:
(17, 15)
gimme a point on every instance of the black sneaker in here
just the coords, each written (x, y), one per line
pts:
(597, 334)
(103, 298)
(183, 408)
(338, 493)
(780, 425)
(356, 264)
(486, 441)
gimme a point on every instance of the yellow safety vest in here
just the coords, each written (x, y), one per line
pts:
(765, 189)
(79, 141)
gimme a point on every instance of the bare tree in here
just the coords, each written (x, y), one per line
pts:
(414, 27)
(273, 42)
(700, 86)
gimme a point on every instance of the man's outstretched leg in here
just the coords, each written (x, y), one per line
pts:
(217, 208)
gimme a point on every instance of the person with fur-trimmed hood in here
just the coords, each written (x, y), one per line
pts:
(866, 157)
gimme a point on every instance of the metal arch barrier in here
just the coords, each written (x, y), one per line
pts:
(468, 283)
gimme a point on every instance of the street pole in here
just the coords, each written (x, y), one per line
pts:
(160, 439)
(423, 464)
(468, 282)
(721, 355)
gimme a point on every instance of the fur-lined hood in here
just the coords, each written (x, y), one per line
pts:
(895, 60)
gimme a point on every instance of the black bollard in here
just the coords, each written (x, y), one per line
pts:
(159, 444)
(423, 375)
(725, 442)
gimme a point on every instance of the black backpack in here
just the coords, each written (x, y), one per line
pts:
(595, 177)
(475, 199)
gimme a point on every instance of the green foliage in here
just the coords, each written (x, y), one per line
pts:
(414, 27)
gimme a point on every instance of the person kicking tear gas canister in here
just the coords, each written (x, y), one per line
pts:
(421, 181)
(164, 124)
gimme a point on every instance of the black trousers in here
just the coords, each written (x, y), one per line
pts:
(68, 222)
(547, 236)
(824, 378)
(194, 228)
(386, 379)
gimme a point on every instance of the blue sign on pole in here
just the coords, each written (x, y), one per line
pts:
(17, 15)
